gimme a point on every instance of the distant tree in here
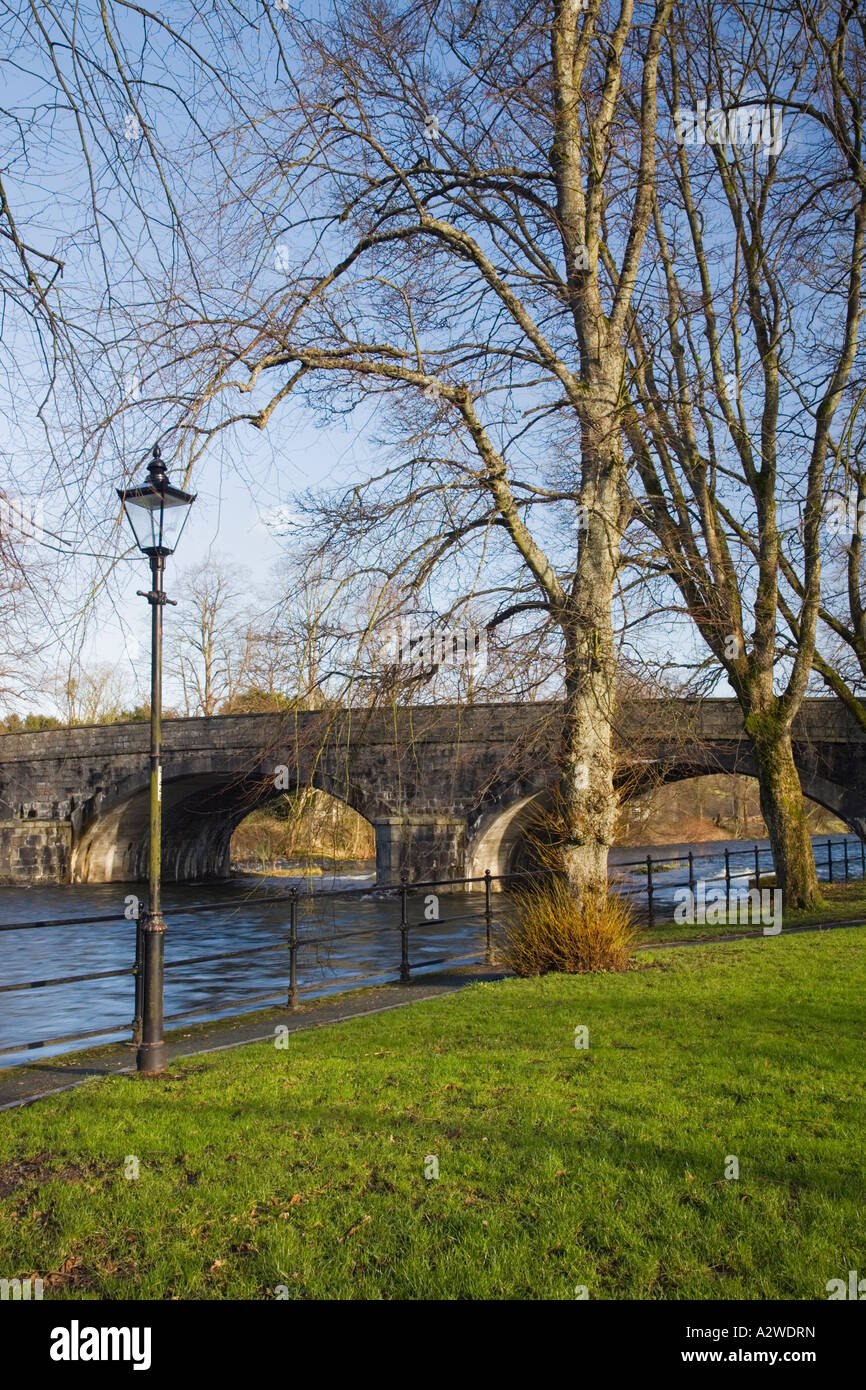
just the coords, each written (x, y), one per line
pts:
(137, 714)
(210, 645)
(15, 724)
(254, 700)
(93, 695)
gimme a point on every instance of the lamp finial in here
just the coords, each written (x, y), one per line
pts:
(156, 467)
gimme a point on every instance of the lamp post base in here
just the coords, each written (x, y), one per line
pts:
(151, 1059)
(151, 1056)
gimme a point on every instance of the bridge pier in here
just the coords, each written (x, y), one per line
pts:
(425, 846)
(858, 825)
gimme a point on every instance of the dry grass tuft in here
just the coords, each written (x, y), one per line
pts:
(556, 932)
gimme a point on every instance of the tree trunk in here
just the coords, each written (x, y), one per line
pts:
(783, 807)
(588, 802)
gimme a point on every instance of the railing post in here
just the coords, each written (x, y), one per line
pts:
(691, 873)
(727, 882)
(829, 861)
(757, 869)
(404, 929)
(293, 947)
(845, 843)
(649, 890)
(488, 955)
(139, 978)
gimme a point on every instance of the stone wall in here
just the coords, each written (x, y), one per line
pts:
(424, 847)
(35, 851)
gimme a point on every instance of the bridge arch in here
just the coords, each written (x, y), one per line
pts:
(498, 841)
(833, 796)
(201, 810)
(446, 787)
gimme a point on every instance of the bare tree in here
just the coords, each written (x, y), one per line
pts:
(742, 350)
(455, 260)
(106, 108)
(94, 694)
(840, 652)
(210, 649)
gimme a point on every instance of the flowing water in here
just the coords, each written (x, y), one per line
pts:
(344, 905)
(671, 865)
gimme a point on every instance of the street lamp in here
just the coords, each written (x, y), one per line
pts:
(157, 513)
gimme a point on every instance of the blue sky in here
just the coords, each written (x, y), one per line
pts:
(241, 482)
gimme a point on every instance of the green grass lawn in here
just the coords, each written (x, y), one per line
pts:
(558, 1167)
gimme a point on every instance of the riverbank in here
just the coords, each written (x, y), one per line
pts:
(842, 903)
(347, 936)
(20, 1085)
(36, 1080)
(468, 1149)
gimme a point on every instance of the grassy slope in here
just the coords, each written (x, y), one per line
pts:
(558, 1167)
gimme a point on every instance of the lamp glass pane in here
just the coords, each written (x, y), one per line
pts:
(157, 518)
(172, 519)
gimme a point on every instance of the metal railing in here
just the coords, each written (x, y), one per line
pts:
(651, 868)
(295, 943)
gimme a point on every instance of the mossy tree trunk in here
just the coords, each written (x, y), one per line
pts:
(783, 807)
(552, 312)
(583, 605)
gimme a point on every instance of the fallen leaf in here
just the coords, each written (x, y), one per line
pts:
(353, 1229)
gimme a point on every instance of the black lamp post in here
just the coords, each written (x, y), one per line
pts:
(157, 513)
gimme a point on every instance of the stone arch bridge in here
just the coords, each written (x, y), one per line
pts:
(449, 790)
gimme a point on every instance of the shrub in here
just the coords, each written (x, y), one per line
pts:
(553, 931)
